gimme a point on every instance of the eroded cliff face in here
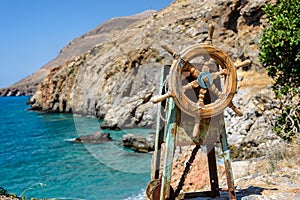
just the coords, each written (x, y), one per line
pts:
(116, 79)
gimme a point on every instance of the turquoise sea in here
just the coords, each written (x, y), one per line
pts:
(37, 160)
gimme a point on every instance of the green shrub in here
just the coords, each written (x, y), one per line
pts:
(280, 53)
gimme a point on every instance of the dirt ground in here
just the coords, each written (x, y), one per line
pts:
(274, 176)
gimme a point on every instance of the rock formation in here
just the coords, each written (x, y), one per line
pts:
(96, 138)
(139, 143)
(115, 79)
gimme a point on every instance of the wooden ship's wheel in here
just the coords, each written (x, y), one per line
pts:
(196, 71)
(202, 82)
(204, 78)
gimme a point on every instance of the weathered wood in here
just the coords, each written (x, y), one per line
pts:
(213, 172)
(173, 119)
(160, 98)
(211, 30)
(158, 135)
(175, 84)
(170, 51)
(235, 109)
(242, 64)
(227, 161)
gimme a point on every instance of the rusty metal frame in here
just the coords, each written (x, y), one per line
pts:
(173, 120)
(161, 183)
(171, 131)
(168, 134)
(159, 134)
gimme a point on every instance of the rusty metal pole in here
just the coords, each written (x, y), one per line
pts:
(159, 134)
(173, 120)
(213, 173)
(227, 162)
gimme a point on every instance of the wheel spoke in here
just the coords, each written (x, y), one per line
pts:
(215, 90)
(194, 72)
(201, 97)
(193, 84)
(196, 129)
(185, 74)
(205, 67)
(217, 74)
(187, 66)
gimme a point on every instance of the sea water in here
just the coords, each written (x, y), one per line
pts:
(37, 159)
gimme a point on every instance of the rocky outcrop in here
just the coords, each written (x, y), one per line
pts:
(15, 92)
(115, 79)
(139, 143)
(252, 135)
(96, 138)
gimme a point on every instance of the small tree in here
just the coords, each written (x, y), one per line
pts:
(280, 53)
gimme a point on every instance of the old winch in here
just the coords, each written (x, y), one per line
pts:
(200, 84)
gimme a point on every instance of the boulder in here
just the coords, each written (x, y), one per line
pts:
(96, 138)
(138, 142)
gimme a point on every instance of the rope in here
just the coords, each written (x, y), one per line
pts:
(165, 90)
(165, 84)
(187, 169)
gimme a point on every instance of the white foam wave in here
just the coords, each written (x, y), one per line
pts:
(70, 140)
(140, 196)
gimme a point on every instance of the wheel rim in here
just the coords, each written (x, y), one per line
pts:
(175, 83)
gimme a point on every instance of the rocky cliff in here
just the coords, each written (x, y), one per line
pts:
(115, 79)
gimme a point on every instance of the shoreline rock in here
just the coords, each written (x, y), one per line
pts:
(2, 197)
(96, 138)
(139, 143)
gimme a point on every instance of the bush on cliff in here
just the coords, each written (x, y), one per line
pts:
(280, 53)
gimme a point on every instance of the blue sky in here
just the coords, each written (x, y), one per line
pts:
(33, 31)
